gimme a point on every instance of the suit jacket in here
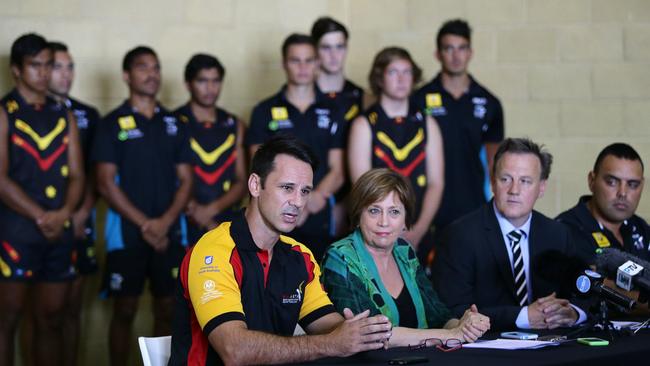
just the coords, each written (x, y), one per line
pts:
(472, 265)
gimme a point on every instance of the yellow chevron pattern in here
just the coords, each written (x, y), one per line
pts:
(401, 153)
(45, 141)
(210, 158)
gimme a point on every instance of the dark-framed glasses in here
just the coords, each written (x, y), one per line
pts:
(449, 345)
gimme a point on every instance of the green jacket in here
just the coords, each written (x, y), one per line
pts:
(351, 280)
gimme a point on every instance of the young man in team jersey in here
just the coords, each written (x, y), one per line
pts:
(216, 139)
(83, 218)
(41, 182)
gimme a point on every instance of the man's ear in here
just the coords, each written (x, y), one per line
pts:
(254, 184)
(591, 181)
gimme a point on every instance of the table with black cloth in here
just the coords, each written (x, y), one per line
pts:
(624, 348)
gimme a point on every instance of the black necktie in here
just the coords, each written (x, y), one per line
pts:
(518, 265)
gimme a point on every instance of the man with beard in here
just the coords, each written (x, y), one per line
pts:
(606, 218)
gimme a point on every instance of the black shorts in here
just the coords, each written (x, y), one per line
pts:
(85, 261)
(127, 270)
(40, 262)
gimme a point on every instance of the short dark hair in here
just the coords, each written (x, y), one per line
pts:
(30, 44)
(456, 27)
(58, 47)
(381, 62)
(525, 146)
(264, 158)
(202, 61)
(130, 56)
(620, 150)
(324, 25)
(375, 185)
(294, 39)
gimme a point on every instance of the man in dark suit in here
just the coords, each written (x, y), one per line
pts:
(506, 258)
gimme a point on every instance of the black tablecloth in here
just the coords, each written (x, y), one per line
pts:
(624, 348)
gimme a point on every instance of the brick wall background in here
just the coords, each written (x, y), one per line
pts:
(573, 74)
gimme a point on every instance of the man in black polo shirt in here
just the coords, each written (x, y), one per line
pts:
(298, 109)
(607, 219)
(470, 119)
(83, 222)
(41, 181)
(331, 39)
(244, 286)
(143, 171)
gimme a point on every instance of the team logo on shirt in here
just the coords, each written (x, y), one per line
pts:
(296, 297)
(171, 129)
(322, 118)
(208, 259)
(479, 107)
(434, 107)
(637, 239)
(126, 123)
(210, 292)
(279, 113)
(601, 239)
(82, 119)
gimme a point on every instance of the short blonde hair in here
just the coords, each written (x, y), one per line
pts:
(375, 185)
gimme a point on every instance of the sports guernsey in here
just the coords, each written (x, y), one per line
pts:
(226, 277)
(400, 145)
(213, 159)
(38, 163)
(466, 124)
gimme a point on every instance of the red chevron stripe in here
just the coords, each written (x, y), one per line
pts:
(44, 164)
(211, 178)
(407, 170)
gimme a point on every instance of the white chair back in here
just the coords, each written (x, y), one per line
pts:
(155, 350)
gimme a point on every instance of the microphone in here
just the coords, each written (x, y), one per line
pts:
(592, 282)
(629, 270)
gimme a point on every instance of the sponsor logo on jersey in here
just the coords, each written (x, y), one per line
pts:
(210, 292)
(601, 239)
(294, 298)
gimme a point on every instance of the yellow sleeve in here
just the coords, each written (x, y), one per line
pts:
(212, 286)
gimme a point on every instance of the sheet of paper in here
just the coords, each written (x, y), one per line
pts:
(510, 344)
